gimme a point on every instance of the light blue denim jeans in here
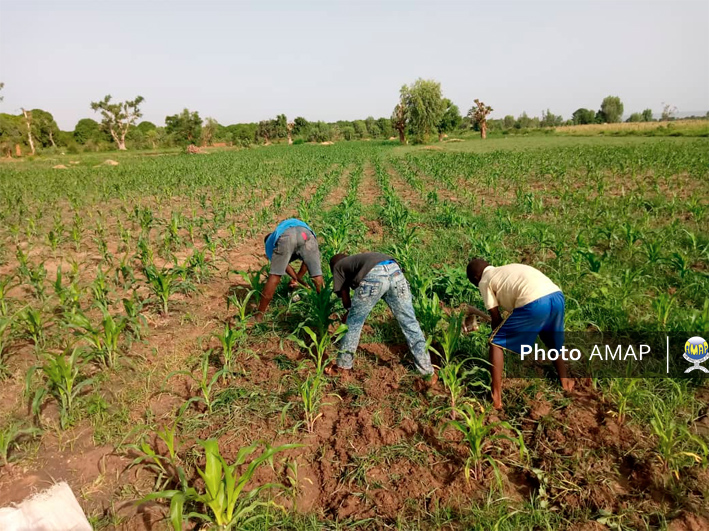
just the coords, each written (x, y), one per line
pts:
(387, 281)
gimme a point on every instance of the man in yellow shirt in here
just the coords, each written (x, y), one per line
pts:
(537, 306)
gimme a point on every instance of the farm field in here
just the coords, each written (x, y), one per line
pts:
(126, 340)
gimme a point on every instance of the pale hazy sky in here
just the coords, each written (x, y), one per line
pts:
(241, 61)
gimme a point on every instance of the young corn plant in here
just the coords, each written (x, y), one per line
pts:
(12, 436)
(134, 319)
(103, 339)
(453, 373)
(62, 380)
(428, 309)
(166, 468)
(100, 290)
(315, 310)
(5, 335)
(229, 338)
(164, 283)
(240, 304)
(204, 382)
(256, 279)
(677, 446)
(5, 287)
(224, 499)
(69, 296)
(479, 435)
(311, 388)
(33, 324)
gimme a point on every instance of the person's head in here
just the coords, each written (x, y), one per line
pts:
(475, 270)
(335, 259)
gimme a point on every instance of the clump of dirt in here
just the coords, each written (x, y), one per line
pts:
(193, 150)
(59, 167)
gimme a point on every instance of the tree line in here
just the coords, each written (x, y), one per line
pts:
(421, 113)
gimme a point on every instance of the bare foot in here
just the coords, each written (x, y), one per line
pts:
(497, 401)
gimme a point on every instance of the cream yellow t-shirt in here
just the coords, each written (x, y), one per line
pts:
(513, 286)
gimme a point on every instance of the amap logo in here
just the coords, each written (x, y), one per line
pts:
(696, 351)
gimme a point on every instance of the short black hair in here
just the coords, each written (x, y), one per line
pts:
(335, 259)
(266, 237)
(475, 270)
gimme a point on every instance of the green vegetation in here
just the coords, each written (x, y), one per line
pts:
(126, 295)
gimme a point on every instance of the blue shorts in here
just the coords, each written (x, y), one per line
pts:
(543, 317)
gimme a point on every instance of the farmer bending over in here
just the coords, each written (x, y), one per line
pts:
(537, 307)
(293, 239)
(373, 276)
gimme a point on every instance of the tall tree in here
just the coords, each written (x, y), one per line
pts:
(668, 111)
(611, 109)
(399, 120)
(478, 114)
(385, 127)
(209, 131)
(44, 127)
(450, 120)
(87, 129)
(647, 115)
(583, 116)
(12, 131)
(424, 107)
(300, 126)
(266, 131)
(185, 128)
(550, 119)
(118, 117)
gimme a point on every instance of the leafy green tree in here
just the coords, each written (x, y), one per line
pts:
(146, 126)
(508, 122)
(583, 116)
(280, 126)
(87, 129)
(44, 128)
(184, 128)
(319, 132)
(360, 129)
(450, 120)
(300, 126)
(635, 117)
(209, 131)
(549, 119)
(647, 115)
(266, 130)
(478, 114)
(399, 120)
(385, 127)
(118, 117)
(11, 133)
(423, 106)
(611, 109)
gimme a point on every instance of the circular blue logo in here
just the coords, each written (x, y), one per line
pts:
(696, 349)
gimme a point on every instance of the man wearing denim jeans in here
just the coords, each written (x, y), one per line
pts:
(374, 276)
(293, 239)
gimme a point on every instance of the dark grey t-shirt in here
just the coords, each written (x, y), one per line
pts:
(350, 271)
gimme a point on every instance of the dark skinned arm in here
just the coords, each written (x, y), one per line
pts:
(496, 317)
(269, 290)
(346, 302)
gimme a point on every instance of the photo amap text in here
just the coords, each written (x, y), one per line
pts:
(604, 352)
